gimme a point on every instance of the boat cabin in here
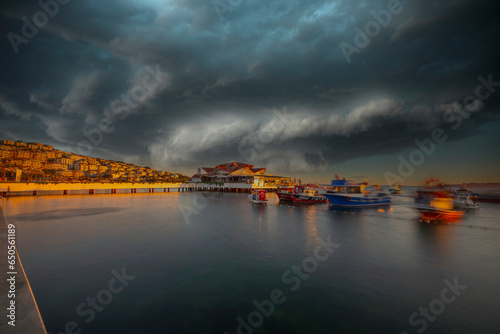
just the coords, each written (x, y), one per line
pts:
(347, 187)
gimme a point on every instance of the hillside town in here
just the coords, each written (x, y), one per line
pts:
(36, 162)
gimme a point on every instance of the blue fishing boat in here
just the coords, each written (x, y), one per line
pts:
(352, 194)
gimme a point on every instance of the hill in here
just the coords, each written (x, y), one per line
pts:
(36, 162)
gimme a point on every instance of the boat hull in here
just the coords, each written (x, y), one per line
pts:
(258, 197)
(309, 199)
(431, 215)
(256, 201)
(357, 202)
(285, 197)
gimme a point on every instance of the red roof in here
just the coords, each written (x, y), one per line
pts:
(232, 166)
(209, 169)
(255, 170)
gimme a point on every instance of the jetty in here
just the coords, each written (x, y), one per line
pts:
(17, 302)
(226, 187)
(77, 188)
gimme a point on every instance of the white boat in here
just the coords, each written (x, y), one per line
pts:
(258, 197)
(463, 197)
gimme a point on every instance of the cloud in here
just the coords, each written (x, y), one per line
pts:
(45, 100)
(226, 76)
(57, 128)
(81, 97)
(11, 107)
(300, 141)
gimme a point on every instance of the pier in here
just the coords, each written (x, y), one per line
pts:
(79, 188)
(24, 311)
(35, 189)
(226, 187)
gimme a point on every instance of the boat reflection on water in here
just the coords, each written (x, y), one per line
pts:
(341, 209)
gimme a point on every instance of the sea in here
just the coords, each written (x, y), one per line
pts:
(211, 262)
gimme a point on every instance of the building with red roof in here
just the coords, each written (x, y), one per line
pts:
(238, 172)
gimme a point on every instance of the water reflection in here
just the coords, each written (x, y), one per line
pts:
(199, 277)
(437, 239)
(66, 213)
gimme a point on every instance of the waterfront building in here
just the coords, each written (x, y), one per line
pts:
(238, 172)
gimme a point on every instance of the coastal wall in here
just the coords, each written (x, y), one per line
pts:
(16, 290)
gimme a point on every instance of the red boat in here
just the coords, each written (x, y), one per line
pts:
(285, 194)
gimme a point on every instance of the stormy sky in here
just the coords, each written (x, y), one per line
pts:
(304, 88)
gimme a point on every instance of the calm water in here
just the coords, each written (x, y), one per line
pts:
(198, 275)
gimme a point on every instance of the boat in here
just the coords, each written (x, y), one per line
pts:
(354, 194)
(285, 194)
(308, 195)
(258, 197)
(489, 197)
(395, 190)
(436, 204)
(463, 197)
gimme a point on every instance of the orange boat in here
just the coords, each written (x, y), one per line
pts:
(436, 204)
(431, 215)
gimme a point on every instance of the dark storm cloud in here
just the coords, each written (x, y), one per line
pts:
(226, 73)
